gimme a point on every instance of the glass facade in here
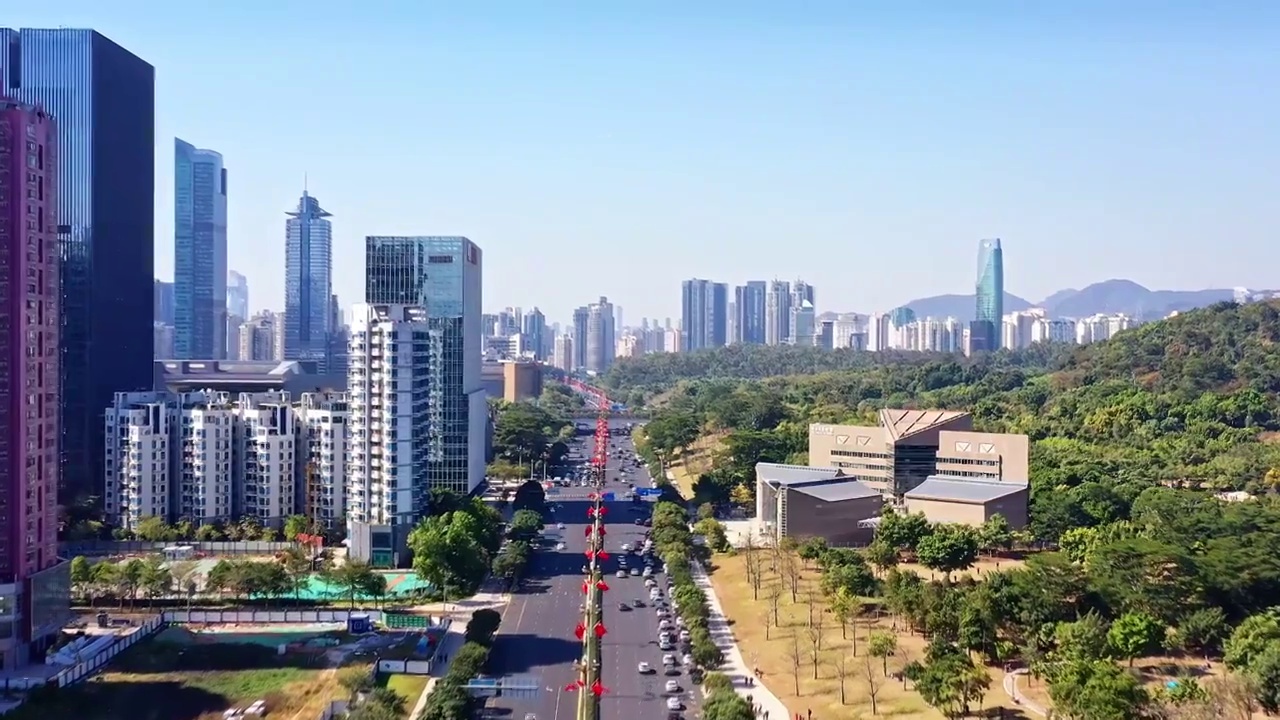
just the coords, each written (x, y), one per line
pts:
(308, 283)
(704, 311)
(749, 302)
(199, 253)
(441, 274)
(990, 287)
(103, 100)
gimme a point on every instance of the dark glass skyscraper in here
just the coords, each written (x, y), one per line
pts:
(308, 282)
(441, 274)
(103, 100)
(199, 253)
(749, 303)
(984, 332)
(704, 317)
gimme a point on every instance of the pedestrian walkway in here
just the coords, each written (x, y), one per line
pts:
(453, 640)
(735, 666)
(1011, 689)
(461, 609)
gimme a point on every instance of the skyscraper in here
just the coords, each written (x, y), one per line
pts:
(749, 303)
(580, 317)
(988, 318)
(601, 342)
(704, 314)
(777, 313)
(28, 373)
(237, 295)
(199, 253)
(308, 282)
(535, 332)
(441, 274)
(103, 99)
(163, 302)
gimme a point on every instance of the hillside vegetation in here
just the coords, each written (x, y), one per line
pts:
(1190, 401)
(1151, 575)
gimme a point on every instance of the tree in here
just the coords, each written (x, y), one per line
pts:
(843, 607)
(812, 549)
(774, 596)
(948, 548)
(1096, 690)
(797, 659)
(1250, 639)
(482, 626)
(530, 496)
(525, 525)
(155, 579)
(791, 574)
(1202, 631)
(297, 566)
(356, 578)
(296, 525)
(1085, 640)
(726, 705)
(882, 645)
(874, 682)
(901, 532)
(843, 672)
(995, 535)
(948, 679)
(855, 580)
(82, 577)
(881, 555)
(814, 632)
(742, 495)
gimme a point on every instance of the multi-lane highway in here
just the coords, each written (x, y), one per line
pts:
(537, 638)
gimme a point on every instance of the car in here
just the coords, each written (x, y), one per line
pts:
(648, 582)
(648, 570)
(664, 624)
(622, 573)
(662, 612)
(684, 636)
(668, 659)
(637, 603)
(644, 668)
(635, 572)
(559, 526)
(639, 521)
(648, 522)
(626, 547)
(666, 646)
(673, 686)
(687, 659)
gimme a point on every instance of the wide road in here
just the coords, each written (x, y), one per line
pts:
(536, 641)
(633, 634)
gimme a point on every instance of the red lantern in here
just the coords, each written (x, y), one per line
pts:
(587, 531)
(590, 554)
(571, 687)
(580, 630)
(597, 688)
(585, 588)
(602, 532)
(602, 555)
(591, 512)
(601, 510)
(599, 630)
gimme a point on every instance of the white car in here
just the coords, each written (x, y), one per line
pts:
(643, 668)
(559, 526)
(687, 659)
(674, 704)
(662, 612)
(673, 686)
(669, 660)
(664, 624)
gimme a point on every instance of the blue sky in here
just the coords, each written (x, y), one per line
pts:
(617, 148)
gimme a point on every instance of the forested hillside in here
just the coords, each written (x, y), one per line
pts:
(1193, 400)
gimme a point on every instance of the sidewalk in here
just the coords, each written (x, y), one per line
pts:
(453, 640)
(1011, 689)
(735, 666)
(462, 609)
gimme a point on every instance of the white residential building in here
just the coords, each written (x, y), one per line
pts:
(390, 361)
(208, 456)
(265, 456)
(1101, 327)
(138, 457)
(203, 470)
(322, 427)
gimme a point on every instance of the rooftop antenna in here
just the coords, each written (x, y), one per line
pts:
(304, 183)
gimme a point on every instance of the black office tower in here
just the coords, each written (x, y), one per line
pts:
(103, 99)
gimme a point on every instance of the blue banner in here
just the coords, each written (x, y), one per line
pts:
(608, 497)
(649, 492)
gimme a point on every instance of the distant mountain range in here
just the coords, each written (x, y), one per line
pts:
(1110, 296)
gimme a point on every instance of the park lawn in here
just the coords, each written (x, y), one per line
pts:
(774, 650)
(409, 687)
(693, 461)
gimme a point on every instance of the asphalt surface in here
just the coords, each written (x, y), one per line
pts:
(536, 645)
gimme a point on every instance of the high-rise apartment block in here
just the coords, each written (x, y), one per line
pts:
(562, 356)
(308, 282)
(704, 314)
(394, 358)
(537, 339)
(29, 389)
(104, 99)
(442, 276)
(211, 456)
(777, 313)
(199, 253)
(258, 337)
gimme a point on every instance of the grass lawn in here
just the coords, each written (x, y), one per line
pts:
(779, 651)
(163, 680)
(695, 460)
(409, 687)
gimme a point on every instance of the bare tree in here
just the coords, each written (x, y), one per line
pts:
(874, 681)
(844, 671)
(811, 600)
(791, 573)
(797, 659)
(766, 619)
(818, 624)
(774, 595)
(815, 647)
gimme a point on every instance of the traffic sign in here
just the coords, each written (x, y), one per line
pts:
(608, 497)
(649, 492)
(552, 491)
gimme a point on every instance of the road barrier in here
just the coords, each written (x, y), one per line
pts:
(273, 617)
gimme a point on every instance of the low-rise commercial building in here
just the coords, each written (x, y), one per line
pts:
(521, 380)
(804, 502)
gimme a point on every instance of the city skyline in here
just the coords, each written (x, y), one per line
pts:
(906, 163)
